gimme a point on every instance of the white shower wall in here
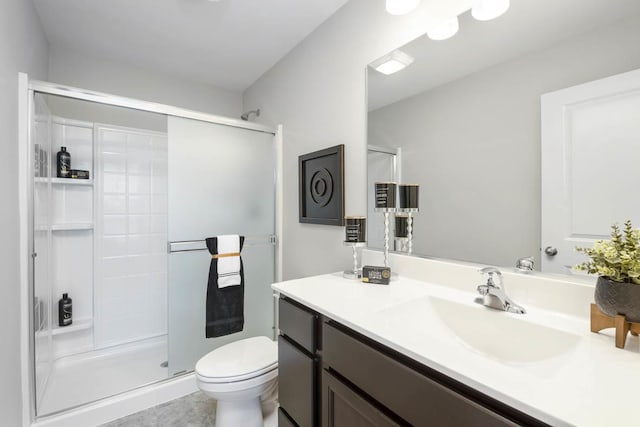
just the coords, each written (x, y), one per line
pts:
(131, 235)
(71, 206)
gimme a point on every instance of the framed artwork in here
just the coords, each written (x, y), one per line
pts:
(321, 184)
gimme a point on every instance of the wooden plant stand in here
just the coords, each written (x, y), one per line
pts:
(600, 321)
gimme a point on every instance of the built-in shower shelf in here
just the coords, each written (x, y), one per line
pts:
(72, 226)
(66, 227)
(76, 326)
(65, 181)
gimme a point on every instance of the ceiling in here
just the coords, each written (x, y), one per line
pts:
(225, 43)
(528, 26)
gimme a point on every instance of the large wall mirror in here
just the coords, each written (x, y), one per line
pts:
(522, 132)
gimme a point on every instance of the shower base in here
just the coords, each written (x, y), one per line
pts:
(87, 377)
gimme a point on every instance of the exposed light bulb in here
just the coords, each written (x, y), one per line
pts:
(485, 10)
(401, 7)
(444, 30)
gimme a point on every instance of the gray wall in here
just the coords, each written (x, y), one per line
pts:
(72, 69)
(318, 92)
(474, 145)
(23, 47)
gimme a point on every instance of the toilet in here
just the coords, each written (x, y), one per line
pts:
(238, 375)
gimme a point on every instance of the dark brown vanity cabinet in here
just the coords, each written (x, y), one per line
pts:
(332, 376)
(297, 365)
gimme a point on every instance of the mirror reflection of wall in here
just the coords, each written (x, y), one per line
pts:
(467, 115)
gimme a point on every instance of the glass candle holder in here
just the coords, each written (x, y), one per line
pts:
(401, 226)
(355, 230)
(408, 197)
(385, 196)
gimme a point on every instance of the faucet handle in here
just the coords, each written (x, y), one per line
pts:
(525, 264)
(483, 290)
(490, 280)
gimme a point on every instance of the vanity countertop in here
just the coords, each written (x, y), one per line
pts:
(589, 382)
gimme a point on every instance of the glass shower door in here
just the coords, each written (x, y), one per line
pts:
(221, 181)
(42, 315)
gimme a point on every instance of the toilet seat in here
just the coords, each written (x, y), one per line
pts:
(238, 361)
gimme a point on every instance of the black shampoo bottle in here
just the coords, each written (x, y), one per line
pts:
(64, 163)
(65, 310)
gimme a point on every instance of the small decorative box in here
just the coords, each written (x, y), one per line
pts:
(377, 275)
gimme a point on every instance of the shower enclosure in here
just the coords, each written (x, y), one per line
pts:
(102, 241)
(127, 244)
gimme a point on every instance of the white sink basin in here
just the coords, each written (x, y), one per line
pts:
(505, 336)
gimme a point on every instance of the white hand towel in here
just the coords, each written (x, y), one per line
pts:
(228, 267)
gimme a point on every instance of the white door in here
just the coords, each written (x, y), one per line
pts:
(590, 165)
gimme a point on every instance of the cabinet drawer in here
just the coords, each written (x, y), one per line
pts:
(409, 394)
(298, 324)
(343, 407)
(296, 383)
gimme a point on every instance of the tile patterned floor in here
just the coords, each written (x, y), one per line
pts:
(194, 410)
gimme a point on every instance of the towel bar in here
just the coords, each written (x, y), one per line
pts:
(200, 245)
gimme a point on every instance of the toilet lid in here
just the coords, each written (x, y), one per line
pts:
(239, 360)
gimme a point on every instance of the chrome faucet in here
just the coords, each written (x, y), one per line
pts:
(494, 295)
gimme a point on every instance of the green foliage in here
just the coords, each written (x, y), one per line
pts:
(618, 258)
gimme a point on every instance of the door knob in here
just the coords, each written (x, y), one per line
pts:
(551, 251)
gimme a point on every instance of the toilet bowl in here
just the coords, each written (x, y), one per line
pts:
(237, 375)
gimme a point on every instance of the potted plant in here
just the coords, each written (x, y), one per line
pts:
(617, 264)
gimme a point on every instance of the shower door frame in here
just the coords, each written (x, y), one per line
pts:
(26, 91)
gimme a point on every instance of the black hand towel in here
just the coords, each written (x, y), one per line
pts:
(225, 306)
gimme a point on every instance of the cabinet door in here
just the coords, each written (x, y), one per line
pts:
(343, 407)
(411, 395)
(284, 420)
(296, 383)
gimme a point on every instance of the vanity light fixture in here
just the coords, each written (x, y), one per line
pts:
(485, 10)
(401, 7)
(444, 30)
(392, 62)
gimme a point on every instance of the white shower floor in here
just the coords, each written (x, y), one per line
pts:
(91, 376)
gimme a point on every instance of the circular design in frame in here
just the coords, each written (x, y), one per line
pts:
(321, 187)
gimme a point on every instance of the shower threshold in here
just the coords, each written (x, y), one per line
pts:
(87, 377)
